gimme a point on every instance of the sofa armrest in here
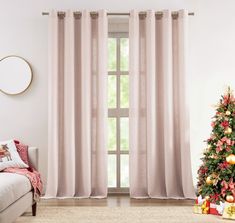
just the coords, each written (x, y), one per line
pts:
(33, 157)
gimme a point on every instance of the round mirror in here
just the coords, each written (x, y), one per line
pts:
(15, 75)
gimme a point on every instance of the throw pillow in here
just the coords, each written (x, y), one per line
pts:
(9, 157)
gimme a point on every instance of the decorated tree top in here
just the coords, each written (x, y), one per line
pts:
(216, 175)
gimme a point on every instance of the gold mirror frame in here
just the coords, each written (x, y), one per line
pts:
(31, 72)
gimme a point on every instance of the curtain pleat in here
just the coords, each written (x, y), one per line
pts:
(83, 122)
(77, 156)
(184, 101)
(53, 115)
(150, 96)
(100, 107)
(160, 165)
(69, 127)
(138, 179)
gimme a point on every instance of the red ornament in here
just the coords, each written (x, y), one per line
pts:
(225, 124)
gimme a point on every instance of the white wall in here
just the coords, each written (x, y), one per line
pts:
(212, 67)
(23, 31)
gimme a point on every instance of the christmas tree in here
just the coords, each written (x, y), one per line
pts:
(216, 175)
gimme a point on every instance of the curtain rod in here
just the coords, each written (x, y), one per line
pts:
(118, 13)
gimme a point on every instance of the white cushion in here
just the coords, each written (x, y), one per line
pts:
(12, 187)
(9, 157)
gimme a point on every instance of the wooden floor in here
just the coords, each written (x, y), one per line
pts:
(115, 201)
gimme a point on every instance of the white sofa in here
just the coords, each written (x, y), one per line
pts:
(16, 194)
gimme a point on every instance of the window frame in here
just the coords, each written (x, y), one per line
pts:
(118, 113)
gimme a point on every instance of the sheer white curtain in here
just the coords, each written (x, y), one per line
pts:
(77, 155)
(160, 165)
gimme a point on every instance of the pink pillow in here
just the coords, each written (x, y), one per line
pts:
(23, 151)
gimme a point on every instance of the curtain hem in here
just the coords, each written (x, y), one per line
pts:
(75, 197)
(166, 198)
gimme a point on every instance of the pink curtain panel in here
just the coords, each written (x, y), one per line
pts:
(77, 154)
(160, 165)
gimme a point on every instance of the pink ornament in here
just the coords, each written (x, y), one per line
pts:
(229, 142)
(219, 143)
(224, 139)
(223, 165)
(218, 149)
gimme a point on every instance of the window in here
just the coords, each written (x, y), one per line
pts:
(118, 104)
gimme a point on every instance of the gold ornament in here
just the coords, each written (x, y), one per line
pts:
(230, 159)
(209, 180)
(230, 198)
(212, 179)
(228, 131)
(228, 113)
